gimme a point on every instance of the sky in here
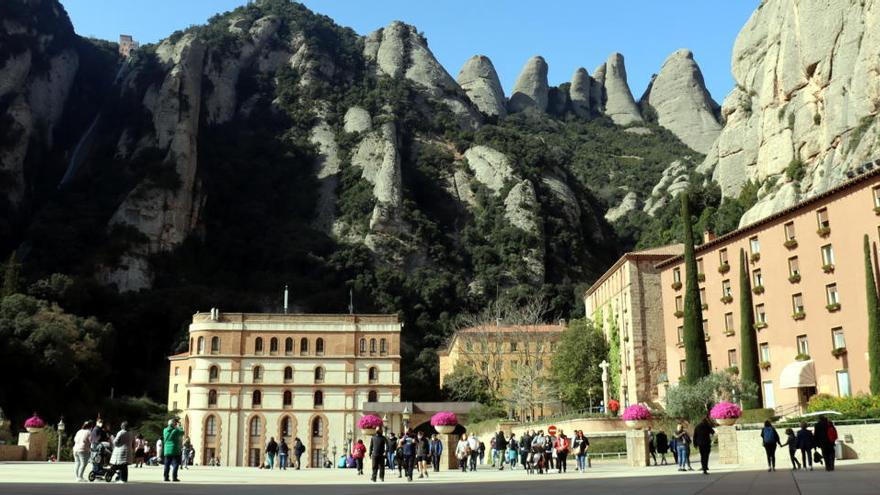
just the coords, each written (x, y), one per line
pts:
(567, 33)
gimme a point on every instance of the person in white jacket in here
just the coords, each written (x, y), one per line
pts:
(82, 444)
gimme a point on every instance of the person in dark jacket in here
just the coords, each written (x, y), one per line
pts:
(378, 444)
(770, 439)
(662, 446)
(283, 453)
(423, 454)
(580, 446)
(298, 450)
(703, 441)
(791, 442)
(806, 445)
(501, 447)
(408, 450)
(436, 451)
(652, 444)
(391, 449)
(823, 442)
(271, 451)
(525, 447)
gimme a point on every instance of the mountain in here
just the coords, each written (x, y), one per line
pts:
(272, 147)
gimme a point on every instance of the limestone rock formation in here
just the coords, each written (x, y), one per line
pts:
(580, 92)
(597, 90)
(490, 167)
(521, 210)
(630, 202)
(563, 193)
(480, 82)
(619, 102)
(673, 181)
(806, 89)
(327, 174)
(681, 103)
(531, 89)
(357, 119)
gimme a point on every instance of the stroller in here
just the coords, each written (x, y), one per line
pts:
(100, 459)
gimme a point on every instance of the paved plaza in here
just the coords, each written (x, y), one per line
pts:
(615, 478)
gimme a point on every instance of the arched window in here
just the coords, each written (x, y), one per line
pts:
(383, 347)
(256, 427)
(258, 374)
(372, 396)
(213, 374)
(319, 347)
(362, 347)
(191, 348)
(373, 374)
(303, 346)
(372, 346)
(201, 348)
(285, 427)
(212, 397)
(288, 345)
(257, 398)
(319, 398)
(288, 398)
(273, 345)
(211, 426)
(288, 374)
(189, 374)
(187, 399)
(319, 374)
(318, 426)
(258, 345)
(215, 345)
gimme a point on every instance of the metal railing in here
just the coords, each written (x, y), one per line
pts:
(784, 424)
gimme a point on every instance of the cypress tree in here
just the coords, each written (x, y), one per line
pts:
(10, 276)
(748, 339)
(873, 321)
(695, 355)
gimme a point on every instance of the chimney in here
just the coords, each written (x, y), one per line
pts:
(708, 236)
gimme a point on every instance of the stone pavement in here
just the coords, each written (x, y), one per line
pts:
(852, 477)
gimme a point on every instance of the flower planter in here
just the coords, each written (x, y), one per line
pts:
(727, 299)
(635, 424)
(704, 306)
(679, 314)
(833, 307)
(368, 432)
(764, 365)
(369, 424)
(724, 268)
(800, 315)
(725, 413)
(444, 422)
(824, 231)
(794, 278)
(840, 351)
(877, 210)
(445, 429)
(676, 285)
(726, 421)
(33, 430)
(758, 289)
(760, 326)
(829, 268)
(755, 257)
(701, 277)
(790, 244)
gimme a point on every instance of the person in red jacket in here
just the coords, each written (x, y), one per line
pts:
(358, 452)
(562, 446)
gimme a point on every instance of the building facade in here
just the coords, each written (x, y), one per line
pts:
(626, 304)
(514, 361)
(807, 274)
(248, 377)
(127, 44)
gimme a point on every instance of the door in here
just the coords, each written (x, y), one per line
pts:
(769, 398)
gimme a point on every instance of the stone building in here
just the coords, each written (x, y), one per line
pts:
(807, 271)
(127, 44)
(251, 376)
(627, 298)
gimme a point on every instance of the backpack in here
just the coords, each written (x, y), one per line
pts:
(832, 434)
(767, 435)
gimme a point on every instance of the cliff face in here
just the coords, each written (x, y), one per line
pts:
(806, 99)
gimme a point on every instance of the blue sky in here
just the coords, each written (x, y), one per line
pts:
(567, 33)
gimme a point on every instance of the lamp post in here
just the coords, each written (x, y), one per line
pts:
(349, 439)
(60, 433)
(405, 417)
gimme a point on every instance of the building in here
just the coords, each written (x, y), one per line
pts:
(514, 360)
(127, 44)
(806, 266)
(626, 304)
(251, 376)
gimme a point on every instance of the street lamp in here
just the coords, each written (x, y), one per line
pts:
(349, 440)
(60, 433)
(405, 417)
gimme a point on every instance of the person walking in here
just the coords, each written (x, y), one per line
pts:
(662, 446)
(538, 455)
(512, 452)
(493, 451)
(358, 452)
(121, 456)
(832, 441)
(791, 442)
(408, 451)
(682, 444)
(139, 450)
(481, 451)
(423, 453)
(770, 439)
(271, 452)
(391, 449)
(81, 447)
(673, 446)
(283, 454)
(806, 444)
(824, 442)
(525, 445)
(461, 452)
(500, 443)
(561, 447)
(652, 444)
(549, 442)
(703, 441)
(436, 450)
(298, 450)
(580, 446)
(474, 451)
(378, 444)
(172, 440)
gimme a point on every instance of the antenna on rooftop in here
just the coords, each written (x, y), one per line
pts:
(285, 299)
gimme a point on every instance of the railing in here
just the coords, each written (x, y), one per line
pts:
(603, 455)
(837, 422)
(789, 410)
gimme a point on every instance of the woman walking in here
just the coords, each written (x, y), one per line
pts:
(562, 447)
(139, 452)
(81, 446)
(662, 446)
(682, 443)
(358, 452)
(770, 438)
(461, 452)
(122, 453)
(581, 445)
(791, 442)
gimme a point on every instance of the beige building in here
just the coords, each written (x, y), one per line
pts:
(806, 266)
(127, 44)
(514, 360)
(626, 298)
(251, 376)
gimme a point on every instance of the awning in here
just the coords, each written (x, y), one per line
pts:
(798, 374)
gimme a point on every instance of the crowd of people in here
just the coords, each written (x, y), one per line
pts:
(287, 455)
(533, 451)
(814, 446)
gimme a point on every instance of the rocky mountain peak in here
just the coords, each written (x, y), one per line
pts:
(480, 82)
(619, 102)
(580, 92)
(531, 88)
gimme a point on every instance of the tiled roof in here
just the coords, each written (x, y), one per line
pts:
(657, 254)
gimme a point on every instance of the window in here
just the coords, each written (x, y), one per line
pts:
(797, 303)
(722, 257)
(769, 397)
(680, 334)
(201, 348)
(682, 368)
(764, 351)
(189, 374)
(373, 374)
(513, 347)
(843, 387)
(837, 340)
(211, 426)
(760, 315)
(288, 374)
(702, 295)
(726, 291)
(273, 346)
(286, 431)
(822, 218)
(383, 347)
(177, 371)
(174, 405)
(700, 270)
(678, 303)
(803, 346)
(215, 345)
(288, 346)
(731, 358)
(827, 255)
(789, 231)
(372, 396)
(362, 346)
(757, 278)
(213, 374)
(319, 399)
(676, 275)
(728, 322)
(373, 347)
(287, 400)
(831, 294)
(257, 398)
(876, 192)
(705, 327)
(175, 388)
(319, 347)
(318, 426)
(319, 375)
(258, 345)
(754, 245)
(303, 346)
(258, 374)
(794, 267)
(256, 426)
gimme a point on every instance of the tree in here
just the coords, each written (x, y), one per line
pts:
(692, 401)
(873, 320)
(695, 354)
(465, 385)
(748, 340)
(575, 371)
(11, 275)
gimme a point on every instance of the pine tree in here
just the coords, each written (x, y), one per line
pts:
(748, 339)
(873, 321)
(11, 276)
(695, 355)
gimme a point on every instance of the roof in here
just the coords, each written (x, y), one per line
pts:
(652, 254)
(178, 356)
(493, 328)
(755, 226)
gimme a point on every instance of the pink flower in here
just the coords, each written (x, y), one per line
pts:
(444, 418)
(34, 422)
(725, 410)
(370, 421)
(636, 412)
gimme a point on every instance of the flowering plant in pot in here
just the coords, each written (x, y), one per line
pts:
(636, 416)
(34, 424)
(444, 422)
(369, 423)
(725, 413)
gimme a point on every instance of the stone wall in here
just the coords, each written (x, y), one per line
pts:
(12, 453)
(745, 446)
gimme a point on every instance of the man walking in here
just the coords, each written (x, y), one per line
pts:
(500, 449)
(390, 449)
(824, 442)
(408, 450)
(283, 451)
(378, 444)
(474, 446)
(271, 451)
(703, 440)
(436, 451)
(423, 453)
(172, 440)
